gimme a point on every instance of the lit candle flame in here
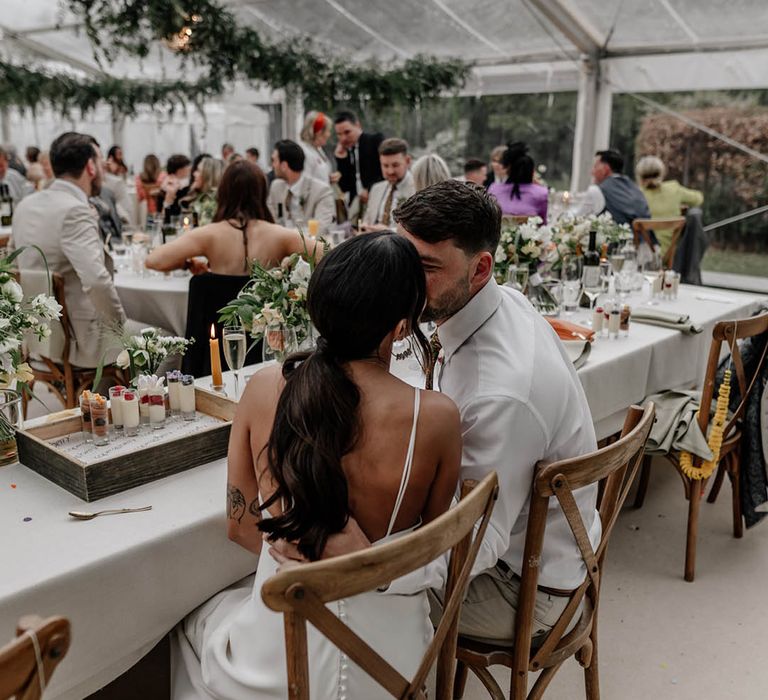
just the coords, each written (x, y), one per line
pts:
(213, 331)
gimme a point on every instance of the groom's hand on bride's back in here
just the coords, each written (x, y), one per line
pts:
(350, 539)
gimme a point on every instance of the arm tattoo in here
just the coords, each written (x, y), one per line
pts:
(255, 508)
(235, 503)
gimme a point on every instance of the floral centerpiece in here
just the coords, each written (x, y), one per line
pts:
(275, 297)
(573, 232)
(19, 317)
(526, 244)
(145, 352)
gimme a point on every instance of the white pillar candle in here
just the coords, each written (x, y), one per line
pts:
(130, 410)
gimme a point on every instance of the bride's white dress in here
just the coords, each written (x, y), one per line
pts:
(233, 647)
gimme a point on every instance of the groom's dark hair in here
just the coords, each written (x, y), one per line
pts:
(459, 211)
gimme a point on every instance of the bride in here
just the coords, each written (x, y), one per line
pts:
(329, 440)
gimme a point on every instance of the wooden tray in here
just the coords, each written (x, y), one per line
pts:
(98, 479)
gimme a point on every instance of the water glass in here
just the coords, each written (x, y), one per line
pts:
(279, 342)
(517, 278)
(571, 277)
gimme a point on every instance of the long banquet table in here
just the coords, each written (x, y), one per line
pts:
(125, 580)
(157, 300)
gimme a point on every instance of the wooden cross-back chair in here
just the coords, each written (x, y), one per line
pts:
(301, 594)
(727, 332)
(23, 674)
(642, 229)
(49, 358)
(614, 467)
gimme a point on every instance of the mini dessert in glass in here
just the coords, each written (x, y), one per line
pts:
(144, 405)
(116, 404)
(187, 397)
(173, 379)
(99, 419)
(85, 415)
(130, 410)
(157, 407)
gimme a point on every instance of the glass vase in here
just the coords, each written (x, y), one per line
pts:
(10, 421)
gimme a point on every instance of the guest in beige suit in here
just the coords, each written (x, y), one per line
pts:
(303, 197)
(396, 186)
(60, 221)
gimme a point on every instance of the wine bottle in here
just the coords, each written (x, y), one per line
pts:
(590, 275)
(280, 217)
(6, 206)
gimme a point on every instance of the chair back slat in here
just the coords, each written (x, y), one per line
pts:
(612, 465)
(728, 333)
(302, 592)
(642, 229)
(19, 668)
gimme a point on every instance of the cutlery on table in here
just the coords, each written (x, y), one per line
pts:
(80, 515)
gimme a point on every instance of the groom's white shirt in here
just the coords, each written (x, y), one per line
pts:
(520, 402)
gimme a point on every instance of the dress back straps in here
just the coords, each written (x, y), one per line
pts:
(243, 227)
(408, 463)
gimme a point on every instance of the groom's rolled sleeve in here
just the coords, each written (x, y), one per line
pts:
(500, 433)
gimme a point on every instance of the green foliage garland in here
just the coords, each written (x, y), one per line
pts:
(228, 51)
(29, 89)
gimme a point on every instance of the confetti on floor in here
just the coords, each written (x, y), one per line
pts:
(13, 486)
(27, 519)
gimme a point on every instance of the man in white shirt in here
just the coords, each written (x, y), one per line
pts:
(395, 188)
(18, 186)
(520, 403)
(302, 197)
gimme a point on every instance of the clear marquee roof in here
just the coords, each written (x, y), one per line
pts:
(491, 32)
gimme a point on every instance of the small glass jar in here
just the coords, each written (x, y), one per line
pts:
(597, 320)
(116, 405)
(144, 406)
(624, 320)
(173, 380)
(614, 321)
(99, 419)
(157, 407)
(130, 410)
(85, 416)
(187, 397)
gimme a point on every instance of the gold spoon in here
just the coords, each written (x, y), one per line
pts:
(80, 515)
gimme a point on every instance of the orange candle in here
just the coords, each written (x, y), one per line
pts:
(215, 359)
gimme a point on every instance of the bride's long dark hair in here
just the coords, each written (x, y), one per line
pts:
(357, 295)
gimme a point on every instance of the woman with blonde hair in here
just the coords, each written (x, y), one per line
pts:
(205, 183)
(429, 170)
(665, 197)
(314, 135)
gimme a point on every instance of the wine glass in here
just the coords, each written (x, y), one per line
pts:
(234, 351)
(652, 272)
(279, 342)
(571, 278)
(517, 278)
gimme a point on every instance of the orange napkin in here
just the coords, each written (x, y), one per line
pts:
(570, 331)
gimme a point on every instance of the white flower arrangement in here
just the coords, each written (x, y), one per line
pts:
(144, 353)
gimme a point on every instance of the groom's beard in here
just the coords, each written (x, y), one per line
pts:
(448, 303)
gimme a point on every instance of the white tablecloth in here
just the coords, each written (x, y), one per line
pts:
(159, 301)
(125, 580)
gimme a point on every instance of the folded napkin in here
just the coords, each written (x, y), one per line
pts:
(570, 331)
(665, 319)
(676, 426)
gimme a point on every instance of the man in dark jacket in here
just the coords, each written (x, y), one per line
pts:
(357, 157)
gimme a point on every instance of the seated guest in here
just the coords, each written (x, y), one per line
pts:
(201, 199)
(519, 195)
(243, 231)
(35, 173)
(613, 191)
(475, 170)
(314, 442)
(227, 150)
(665, 198)
(252, 154)
(115, 173)
(314, 135)
(498, 171)
(233, 158)
(18, 186)
(60, 221)
(115, 164)
(428, 170)
(175, 186)
(110, 223)
(14, 162)
(396, 186)
(45, 162)
(302, 197)
(148, 183)
(357, 160)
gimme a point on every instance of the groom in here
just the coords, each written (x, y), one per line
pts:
(520, 403)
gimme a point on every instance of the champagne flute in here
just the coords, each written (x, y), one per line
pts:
(234, 351)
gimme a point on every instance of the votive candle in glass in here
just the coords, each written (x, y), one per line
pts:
(173, 379)
(187, 397)
(99, 419)
(85, 416)
(116, 404)
(157, 407)
(130, 408)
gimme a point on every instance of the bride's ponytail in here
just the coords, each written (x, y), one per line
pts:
(357, 295)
